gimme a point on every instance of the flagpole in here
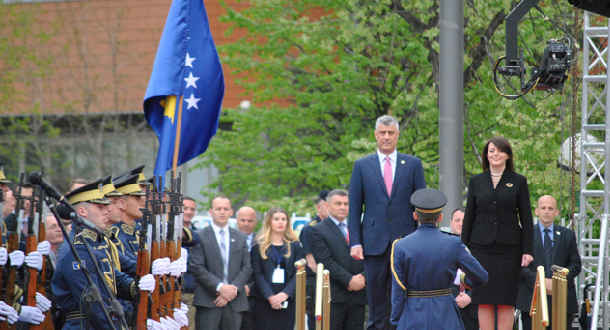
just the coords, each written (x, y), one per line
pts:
(178, 131)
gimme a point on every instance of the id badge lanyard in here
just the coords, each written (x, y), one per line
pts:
(278, 273)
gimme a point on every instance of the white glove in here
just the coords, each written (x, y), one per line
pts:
(175, 268)
(183, 264)
(158, 267)
(167, 265)
(154, 325)
(31, 315)
(17, 258)
(3, 256)
(181, 318)
(184, 254)
(44, 247)
(34, 260)
(147, 283)
(8, 312)
(457, 281)
(169, 323)
(184, 307)
(42, 302)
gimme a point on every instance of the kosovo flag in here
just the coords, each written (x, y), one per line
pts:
(187, 65)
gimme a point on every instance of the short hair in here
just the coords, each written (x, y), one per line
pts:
(427, 217)
(459, 209)
(221, 196)
(317, 200)
(504, 146)
(186, 198)
(27, 185)
(336, 192)
(387, 121)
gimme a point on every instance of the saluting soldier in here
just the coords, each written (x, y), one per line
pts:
(424, 265)
(69, 282)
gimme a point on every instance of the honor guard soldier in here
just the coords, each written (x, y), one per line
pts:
(69, 282)
(129, 229)
(424, 265)
(139, 171)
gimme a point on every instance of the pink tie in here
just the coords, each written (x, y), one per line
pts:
(387, 175)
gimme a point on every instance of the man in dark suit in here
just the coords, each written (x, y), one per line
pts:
(380, 212)
(246, 223)
(221, 265)
(561, 250)
(463, 298)
(330, 247)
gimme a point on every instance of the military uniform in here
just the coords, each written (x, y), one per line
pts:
(424, 265)
(129, 235)
(69, 281)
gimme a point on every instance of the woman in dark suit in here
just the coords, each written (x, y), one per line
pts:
(273, 258)
(498, 229)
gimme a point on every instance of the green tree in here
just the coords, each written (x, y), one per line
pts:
(321, 72)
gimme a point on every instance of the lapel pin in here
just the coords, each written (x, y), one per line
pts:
(232, 240)
(557, 233)
(509, 184)
(402, 161)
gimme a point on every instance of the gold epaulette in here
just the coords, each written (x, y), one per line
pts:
(392, 265)
(189, 234)
(313, 223)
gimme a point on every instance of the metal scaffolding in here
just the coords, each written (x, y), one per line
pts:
(594, 211)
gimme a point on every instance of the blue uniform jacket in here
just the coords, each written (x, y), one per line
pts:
(69, 282)
(428, 260)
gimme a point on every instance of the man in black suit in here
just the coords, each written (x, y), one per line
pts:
(561, 249)
(330, 246)
(246, 223)
(463, 299)
(221, 265)
(380, 210)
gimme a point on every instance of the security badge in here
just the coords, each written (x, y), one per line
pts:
(278, 275)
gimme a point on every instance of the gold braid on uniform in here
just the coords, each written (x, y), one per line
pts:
(133, 290)
(114, 254)
(189, 234)
(128, 229)
(463, 281)
(18, 295)
(392, 265)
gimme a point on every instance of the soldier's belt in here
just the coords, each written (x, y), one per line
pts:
(429, 294)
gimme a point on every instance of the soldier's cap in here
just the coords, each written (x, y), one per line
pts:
(3, 178)
(428, 200)
(139, 171)
(91, 193)
(128, 185)
(153, 187)
(108, 189)
(323, 194)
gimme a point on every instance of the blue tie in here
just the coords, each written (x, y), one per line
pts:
(548, 254)
(225, 261)
(343, 228)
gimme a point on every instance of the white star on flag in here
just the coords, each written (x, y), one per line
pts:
(190, 81)
(189, 60)
(192, 102)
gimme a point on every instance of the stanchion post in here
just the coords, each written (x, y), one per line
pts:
(539, 309)
(560, 297)
(326, 301)
(319, 286)
(301, 295)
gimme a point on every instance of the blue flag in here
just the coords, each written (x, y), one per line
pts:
(186, 64)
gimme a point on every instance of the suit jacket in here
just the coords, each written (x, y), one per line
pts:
(205, 263)
(385, 218)
(493, 215)
(565, 253)
(262, 270)
(331, 249)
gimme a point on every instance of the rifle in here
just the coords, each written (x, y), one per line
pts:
(162, 248)
(31, 244)
(177, 197)
(142, 312)
(171, 248)
(13, 244)
(154, 252)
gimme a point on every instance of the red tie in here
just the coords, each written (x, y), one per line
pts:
(387, 175)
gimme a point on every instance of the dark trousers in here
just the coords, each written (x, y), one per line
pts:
(217, 318)
(346, 316)
(379, 284)
(526, 319)
(246, 317)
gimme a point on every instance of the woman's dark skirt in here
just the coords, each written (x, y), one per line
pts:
(503, 263)
(266, 318)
